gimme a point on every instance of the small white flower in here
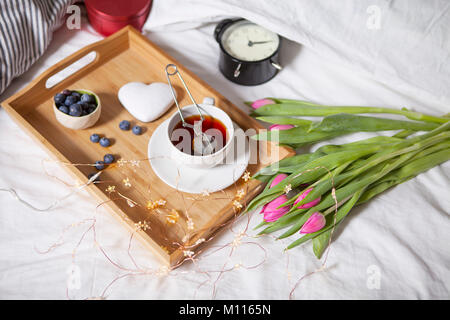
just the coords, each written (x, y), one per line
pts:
(134, 163)
(172, 217)
(161, 202)
(142, 225)
(201, 240)
(126, 182)
(237, 204)
(121, 162)
(287, 188)
(240, 193)
(237, 240)
(188, 253)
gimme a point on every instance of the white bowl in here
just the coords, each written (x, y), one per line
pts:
(82, 122)
(200, 161)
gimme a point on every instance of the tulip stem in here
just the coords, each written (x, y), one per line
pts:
(285, 107)
(368, 172)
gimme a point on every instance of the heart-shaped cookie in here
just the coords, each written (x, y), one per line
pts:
(146, 102)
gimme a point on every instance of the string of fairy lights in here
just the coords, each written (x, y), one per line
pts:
(192, 252)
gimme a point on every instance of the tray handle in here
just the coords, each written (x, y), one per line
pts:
(103, 49)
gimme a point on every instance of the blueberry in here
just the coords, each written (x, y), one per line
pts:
(108, 158)
(124, 125)
(104, 142)
(95, 138)
(87, 98)
(76, 95)
(59, 98)
(91, 107)
(64, 109)
(137, 130)
(100, 165)
(92, 174)
(70, 100)
(75, 110)
(83, 105)
(84, 113)
(67, 92)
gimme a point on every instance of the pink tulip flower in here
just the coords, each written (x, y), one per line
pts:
(281, 127)
(278, 179)
(314, 223)
(308, 204)
(272, 212)
(261, 102)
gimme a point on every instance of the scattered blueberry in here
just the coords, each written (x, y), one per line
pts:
(108, 158)
(104, 142)
(67, 92)
(59, 98)
(92, 174)
(87, 98)
(70, 100)
(137, 130)
(124, 125)
(100, 165)
(95, 138)
(75, 110)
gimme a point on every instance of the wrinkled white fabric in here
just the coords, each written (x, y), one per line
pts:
(399, 238)
(395, 42)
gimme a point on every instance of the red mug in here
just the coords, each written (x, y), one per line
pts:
(107, 16)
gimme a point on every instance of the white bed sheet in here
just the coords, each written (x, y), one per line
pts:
(402, 235)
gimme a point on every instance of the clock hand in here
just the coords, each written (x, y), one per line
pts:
(251, 43)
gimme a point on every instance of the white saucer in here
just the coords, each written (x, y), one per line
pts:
(192, 180)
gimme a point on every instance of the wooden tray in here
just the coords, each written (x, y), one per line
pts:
(123, 57)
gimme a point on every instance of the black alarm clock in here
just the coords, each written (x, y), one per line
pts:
(249, 52)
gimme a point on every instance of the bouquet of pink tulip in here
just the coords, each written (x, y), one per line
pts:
(332, 180)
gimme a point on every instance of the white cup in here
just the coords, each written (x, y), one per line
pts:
(201, 161)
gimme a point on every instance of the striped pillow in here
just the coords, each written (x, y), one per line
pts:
(26, 28)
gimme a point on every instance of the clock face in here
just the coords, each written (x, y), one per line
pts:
(247, 41)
